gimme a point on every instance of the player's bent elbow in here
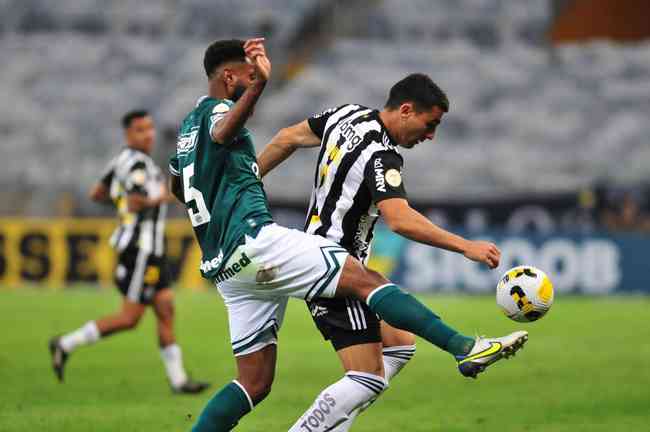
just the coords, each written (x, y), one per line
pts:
(219, 136)
(286, 139)
(404, 228)
(394, 224)
(97, 194)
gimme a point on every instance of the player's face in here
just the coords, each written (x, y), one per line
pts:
(419, 126)
(240, 77)
(141, 133)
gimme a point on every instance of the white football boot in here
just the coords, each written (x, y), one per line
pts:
(489, 350)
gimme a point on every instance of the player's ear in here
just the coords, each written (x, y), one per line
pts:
(406, 109)
(227, 75)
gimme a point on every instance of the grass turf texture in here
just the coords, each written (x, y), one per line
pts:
(585, 368)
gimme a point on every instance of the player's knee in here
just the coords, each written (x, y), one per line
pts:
(372, 279)
(164, 303)
(166, 311)
(375, 276)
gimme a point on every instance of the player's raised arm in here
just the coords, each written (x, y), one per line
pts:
(402, 219)
(284, 143)
(227, 128)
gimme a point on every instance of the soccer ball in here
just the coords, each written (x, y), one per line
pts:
(525, 293)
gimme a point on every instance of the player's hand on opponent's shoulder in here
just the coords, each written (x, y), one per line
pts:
(484, 252)
(256, 55)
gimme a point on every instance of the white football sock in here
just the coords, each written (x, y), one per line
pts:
(85, 335)
(337, 401)
(173, 359)
(395, 358)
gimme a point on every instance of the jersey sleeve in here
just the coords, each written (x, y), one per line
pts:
(219, 112)
(136, 179)
(383, 176)
(173, 166)
(318, 121)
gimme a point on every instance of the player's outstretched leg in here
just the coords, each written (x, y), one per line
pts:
(91, 332)
(402, 310)
(170, 351)
(236, 399)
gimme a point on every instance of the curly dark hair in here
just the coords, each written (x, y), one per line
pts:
(223, 51)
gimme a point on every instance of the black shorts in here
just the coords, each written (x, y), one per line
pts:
(139, 275)
(345, 321)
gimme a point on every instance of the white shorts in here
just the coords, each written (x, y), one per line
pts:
(265, 271)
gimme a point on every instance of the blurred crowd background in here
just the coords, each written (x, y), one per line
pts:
(548, 131)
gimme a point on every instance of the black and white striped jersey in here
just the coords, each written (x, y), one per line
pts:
(358, 166)
(133, 171)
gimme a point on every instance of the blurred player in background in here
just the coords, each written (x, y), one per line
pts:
(136, 186)
(358, 177)
(257, 264)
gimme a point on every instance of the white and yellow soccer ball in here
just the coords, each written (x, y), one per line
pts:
(525, 293)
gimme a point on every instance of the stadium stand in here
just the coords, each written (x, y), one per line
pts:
(519, 107)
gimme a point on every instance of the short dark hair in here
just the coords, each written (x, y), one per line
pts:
(223, 51)
(128, 118)
(419, 89)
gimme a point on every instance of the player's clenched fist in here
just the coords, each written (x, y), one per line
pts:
(256, 55)
(484, 252)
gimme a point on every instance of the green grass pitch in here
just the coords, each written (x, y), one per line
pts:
(586, 367)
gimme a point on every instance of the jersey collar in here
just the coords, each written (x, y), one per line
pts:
(387, 139)
(204, 98)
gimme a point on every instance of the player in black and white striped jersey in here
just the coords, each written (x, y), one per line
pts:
(134, 184)
(358, 177)
(358, 166)
(134, 172)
